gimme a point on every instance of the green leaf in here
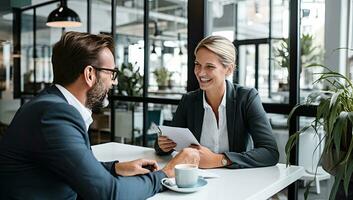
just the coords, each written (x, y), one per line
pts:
(307, 189)
(334, 99)
(292, 112)
(350, 148)
(347, 177)
(339, 128)
(292, 141)
(334, 189)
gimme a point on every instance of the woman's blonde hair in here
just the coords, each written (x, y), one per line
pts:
(220, 46)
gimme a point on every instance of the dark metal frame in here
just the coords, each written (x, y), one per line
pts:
(294, 62)
(197, 26)
(112, 105)
(146, 69)
(256, 43)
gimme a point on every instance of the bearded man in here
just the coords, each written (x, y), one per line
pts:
(46, 154)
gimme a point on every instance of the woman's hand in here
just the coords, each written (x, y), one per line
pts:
(166, 144)
(208, 159)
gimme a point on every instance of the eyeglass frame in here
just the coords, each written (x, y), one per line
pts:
(114, 71)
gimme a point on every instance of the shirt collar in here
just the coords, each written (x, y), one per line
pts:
(72, 100)
(223, 102)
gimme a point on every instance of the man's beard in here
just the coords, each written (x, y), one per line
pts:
(96, 96)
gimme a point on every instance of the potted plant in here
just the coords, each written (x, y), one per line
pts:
(130, 80)
(335, 116)
(162, 76)
(310, 53)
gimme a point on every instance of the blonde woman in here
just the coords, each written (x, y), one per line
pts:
(223, 117)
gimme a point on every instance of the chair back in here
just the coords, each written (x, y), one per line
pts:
(123, 124)
(154, 116)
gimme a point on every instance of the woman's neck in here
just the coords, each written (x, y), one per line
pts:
(214, 98)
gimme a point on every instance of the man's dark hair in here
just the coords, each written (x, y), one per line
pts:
(74, 52)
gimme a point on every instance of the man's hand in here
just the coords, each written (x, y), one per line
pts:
(185, 156)
(135, 167)
(166, 144)
(208, 159)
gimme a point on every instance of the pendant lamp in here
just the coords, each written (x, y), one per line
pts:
(63, 17)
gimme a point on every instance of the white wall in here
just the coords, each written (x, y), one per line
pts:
(336, 35)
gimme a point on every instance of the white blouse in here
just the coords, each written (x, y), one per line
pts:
(212, 136)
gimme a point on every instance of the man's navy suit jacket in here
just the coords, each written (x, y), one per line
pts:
(46, 154)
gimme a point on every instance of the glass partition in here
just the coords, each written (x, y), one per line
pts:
(80, 7)
(103, 23)
(312, 45)
(27, 61)
(253, 19)
(129, 49)
(255, 27)
(246, 66)
(168, 53)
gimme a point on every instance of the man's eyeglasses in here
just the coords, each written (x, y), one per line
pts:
(114, 71)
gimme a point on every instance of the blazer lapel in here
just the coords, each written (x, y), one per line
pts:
(54, 90)
(199, 112)
(230, 111)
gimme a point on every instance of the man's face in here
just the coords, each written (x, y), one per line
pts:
(97, 96)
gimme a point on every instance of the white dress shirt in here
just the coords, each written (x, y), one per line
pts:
(212, 136)
(72, 100)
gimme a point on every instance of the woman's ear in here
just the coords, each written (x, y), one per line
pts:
(230, 69)
(89, 75)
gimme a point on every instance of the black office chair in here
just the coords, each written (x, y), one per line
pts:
(3, 128)
(156, 117)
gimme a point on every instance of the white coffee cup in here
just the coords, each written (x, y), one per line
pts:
(186, 175)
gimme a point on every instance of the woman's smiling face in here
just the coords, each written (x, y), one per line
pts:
(209, 71)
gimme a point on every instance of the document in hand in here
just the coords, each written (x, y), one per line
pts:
(181, 136)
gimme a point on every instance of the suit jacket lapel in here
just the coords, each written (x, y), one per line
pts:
(54, 90)
(199, 112)
(230, 110)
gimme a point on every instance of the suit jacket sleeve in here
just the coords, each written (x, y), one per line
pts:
(110, 167)
(65, 152)
(265, 151)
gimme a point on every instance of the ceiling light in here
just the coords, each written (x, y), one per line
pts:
(63, 17)
(180, 51)
(153, 48)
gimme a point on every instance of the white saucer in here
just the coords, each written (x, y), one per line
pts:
(170, 184)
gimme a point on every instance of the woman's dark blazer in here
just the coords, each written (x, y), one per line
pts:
(245, 117)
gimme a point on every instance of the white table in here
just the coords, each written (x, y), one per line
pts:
(242, 184)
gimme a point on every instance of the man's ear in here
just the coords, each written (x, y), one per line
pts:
(89, 75)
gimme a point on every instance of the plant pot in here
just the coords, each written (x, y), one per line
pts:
(162, 87)
(329, 159)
